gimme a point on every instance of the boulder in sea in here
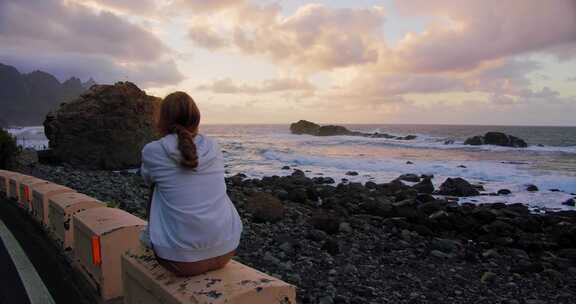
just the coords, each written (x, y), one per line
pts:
(409, 177)
(333, 131)
(497, 139)
(304, 127)
(458, 187)
(425, 186)
(310, 128)
(571, 202)
(104, 128)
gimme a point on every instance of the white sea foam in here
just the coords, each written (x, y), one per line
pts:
(30, 137)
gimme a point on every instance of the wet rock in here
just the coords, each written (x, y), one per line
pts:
(331, 246)
(326, 222)
(316, 235)
(381, 208)
(571, 202)
(425, 186)
(457, 187)
(569, 253)
(345, 227)
(531, 188)
(265, 208)
(504, 192)
(352, 173)
(488, 277)
(525, 268)
(298, 173)
(497, 139)
(409, 178)
(446, 245)
(333, 131)
(304, 127)
(298, 195)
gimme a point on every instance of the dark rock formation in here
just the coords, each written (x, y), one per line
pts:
(265, 208)
(105, 128)
(333, 130)
(497, 139)
(425, 186)
(458, 187)
(310, 128)
(409, 177)
(25, 99)
(304, 127)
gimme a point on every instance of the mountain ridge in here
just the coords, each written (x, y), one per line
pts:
(26, 98)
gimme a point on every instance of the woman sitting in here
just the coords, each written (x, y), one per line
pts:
(193, 226)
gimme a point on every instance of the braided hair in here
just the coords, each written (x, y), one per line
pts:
(179, 115)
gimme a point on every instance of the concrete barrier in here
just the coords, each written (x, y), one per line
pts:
(13, 185)
(62, 207)
(40, 195)
(4, 182)
(145, 281)
(25, 191)
(101, 236)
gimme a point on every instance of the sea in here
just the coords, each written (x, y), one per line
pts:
(263, 150)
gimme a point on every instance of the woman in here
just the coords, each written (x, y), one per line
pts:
(193, 226)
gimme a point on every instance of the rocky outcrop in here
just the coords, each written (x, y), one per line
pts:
(265, 207)
(304, 127)
(458, 187)
(497, 139)
(310, 128)
(105, 128)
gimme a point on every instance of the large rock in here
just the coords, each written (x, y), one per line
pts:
(304, 127)
(333, 130)
(265, 207)
(458, 187)
(105, 128)
(307, 127)
(497, 139)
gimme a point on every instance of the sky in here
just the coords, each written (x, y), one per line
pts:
(487, 62)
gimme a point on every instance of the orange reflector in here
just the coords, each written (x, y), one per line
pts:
(96, 255)
(27, 194)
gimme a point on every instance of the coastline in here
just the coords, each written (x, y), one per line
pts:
(378, 243)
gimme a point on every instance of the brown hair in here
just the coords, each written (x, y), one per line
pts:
(180, 115)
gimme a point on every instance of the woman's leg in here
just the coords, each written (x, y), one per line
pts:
(196, 268)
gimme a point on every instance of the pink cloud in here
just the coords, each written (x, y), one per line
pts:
(485, 30)
(314, 38)
(228, 86)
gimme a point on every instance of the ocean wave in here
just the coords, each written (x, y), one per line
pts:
(421, 142)
(481, 171)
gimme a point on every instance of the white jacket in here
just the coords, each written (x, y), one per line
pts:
(192, 217)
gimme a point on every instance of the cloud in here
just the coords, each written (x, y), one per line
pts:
(204, 6)
(60, 36)
(472, 32)
(205, 37)
(314, 38)
(141, 7)
(52, 26)
(228, 86)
